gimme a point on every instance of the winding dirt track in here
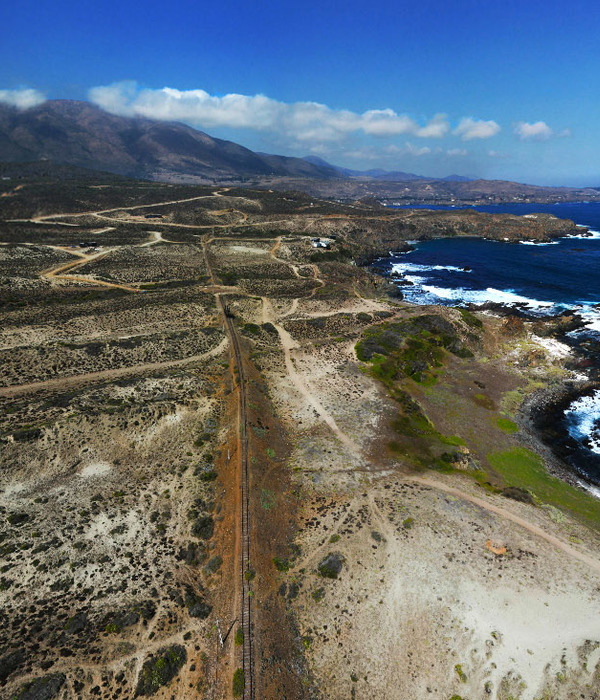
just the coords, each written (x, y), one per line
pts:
(79, 379)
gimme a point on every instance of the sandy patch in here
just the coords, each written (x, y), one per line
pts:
(247, 249)
(95, 469)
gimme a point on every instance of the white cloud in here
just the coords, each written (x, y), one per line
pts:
(22, 98)
(533, 131)
(457, 152)
(416, 150)
(307, 123)
(469, 128)
(436, 128)
(407, 150)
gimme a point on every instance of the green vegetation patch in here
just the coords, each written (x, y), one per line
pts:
(411, 348)
(524, 469)
(160, 669)
(239, 637)
(238, 683)
(470, 319)
(460, 673)
(507, 425)
(484, 401)
(268, 499)
(281, 564)
(414, 350)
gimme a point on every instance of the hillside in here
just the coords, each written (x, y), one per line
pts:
(81, 134)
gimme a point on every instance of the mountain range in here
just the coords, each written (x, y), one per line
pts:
(80, 134)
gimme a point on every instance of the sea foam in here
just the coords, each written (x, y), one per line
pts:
(583, 420)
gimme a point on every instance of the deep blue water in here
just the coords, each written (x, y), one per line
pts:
(545, 277)
(540, 278)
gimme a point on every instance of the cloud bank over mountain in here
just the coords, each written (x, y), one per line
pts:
(23, 98)
(306, 122)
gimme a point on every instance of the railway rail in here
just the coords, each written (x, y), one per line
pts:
(246, 603)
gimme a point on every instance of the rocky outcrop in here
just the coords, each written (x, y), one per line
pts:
(372, 239)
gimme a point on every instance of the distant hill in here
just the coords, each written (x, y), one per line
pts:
(375, 173)
(81, 134)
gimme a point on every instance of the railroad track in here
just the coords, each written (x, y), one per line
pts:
(246, 609)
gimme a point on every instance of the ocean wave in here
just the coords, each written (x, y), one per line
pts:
(481, 296)
(583, 420)
(416, 267)
(590, 488)
(591, 235)
(536, 243)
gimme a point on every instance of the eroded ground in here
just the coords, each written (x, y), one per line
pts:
(386, 559)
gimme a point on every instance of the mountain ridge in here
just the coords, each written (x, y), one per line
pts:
(81, 134)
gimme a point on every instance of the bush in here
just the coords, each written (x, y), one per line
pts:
(331, 566)
(281, 564)
(238, 683)
(239, 637)
(160, 670)
(213, 565)
(318, 594)
(203, 528)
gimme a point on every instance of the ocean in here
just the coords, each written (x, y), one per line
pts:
(540, 279)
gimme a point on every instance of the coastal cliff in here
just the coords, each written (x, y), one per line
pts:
(375, 241)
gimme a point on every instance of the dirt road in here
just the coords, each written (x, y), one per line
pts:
(105, 375)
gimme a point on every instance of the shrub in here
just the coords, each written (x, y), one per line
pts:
(239, 637)
(331, 566)
(318, 594)
(213, 565)
(238, 683)
(160, 669)
(281, 564)
(203, 528)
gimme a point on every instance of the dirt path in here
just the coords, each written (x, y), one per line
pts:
(507, 515)
(83, 259)
(155, 237)
(46, 217)
(288, 344)
(243, 560)
(103, 375)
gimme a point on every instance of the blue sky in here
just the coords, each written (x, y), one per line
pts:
(494, 89)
